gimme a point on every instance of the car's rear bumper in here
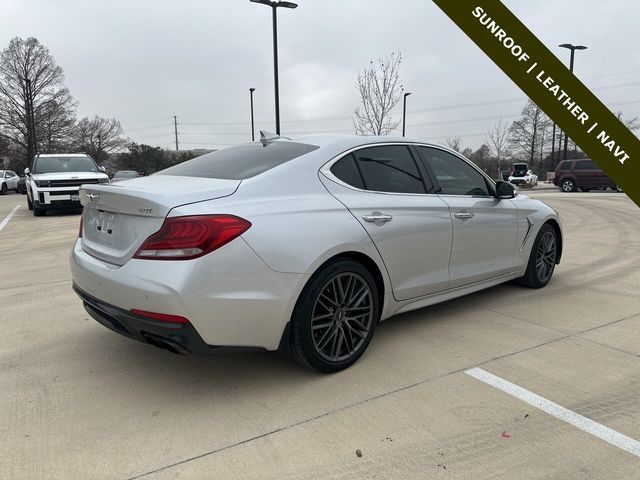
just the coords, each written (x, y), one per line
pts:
(230, 297)
(176, 337)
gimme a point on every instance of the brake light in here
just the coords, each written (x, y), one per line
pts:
(80, 230)
(163, 317)
(184, 238)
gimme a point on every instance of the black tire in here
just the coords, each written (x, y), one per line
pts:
(29, 204)
(568, 185)
(3, 189)
(542, 260)
(323, 335)
(38, 212)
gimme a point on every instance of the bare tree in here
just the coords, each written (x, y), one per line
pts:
(57, 124)
(454, 143)
(526, 134)
(632, 124)
(32, 94)
(498, 139)
(99, 137)
(380, 89)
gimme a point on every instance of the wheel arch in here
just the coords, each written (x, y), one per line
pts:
(556, 227)
(569, 177)
(363, 259)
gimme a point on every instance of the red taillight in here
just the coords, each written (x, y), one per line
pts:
(80, 230)
(183, 238)
(163, 317)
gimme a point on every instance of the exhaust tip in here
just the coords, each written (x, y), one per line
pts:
(165, 344)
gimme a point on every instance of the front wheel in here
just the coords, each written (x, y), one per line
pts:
(3, 189)
(568, 185)
(37, 212)
(542, 260)
(335, 317)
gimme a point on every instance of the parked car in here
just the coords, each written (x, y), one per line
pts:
(582, 174)
(22, 185)
(302, 245)
(522, 176)
(8, 181)
(53, 180)
(124, 175)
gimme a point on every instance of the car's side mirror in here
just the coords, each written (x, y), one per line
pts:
(102, 169)
(27, 172)
(505, 190)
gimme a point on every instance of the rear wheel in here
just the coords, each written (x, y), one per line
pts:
(542, 260)
(335, 317)
(568, 185)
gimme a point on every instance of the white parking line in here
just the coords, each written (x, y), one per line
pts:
(613, 437)
(8, 217)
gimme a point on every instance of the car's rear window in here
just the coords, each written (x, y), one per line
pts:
(566, 165)
(241, 161)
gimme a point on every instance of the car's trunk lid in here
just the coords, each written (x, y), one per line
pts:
(118, 217)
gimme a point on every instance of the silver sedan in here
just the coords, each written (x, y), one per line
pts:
(302, 245)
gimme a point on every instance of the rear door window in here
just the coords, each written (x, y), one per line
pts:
(389, 168)
(241, 161)
(455, 176)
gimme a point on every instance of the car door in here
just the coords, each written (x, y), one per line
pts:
(390, 195)
(485, 229)
(586, 174)
(12, 181)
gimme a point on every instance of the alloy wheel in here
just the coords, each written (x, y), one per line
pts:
(568, 186)
(546, 256)
(342, 317)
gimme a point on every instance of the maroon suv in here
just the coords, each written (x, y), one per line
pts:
(583, 174)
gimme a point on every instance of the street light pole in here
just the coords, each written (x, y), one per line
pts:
(253, 136)
(404, 111)
(573, 48)
(274, 6)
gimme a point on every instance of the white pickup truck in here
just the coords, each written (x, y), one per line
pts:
(53, 180)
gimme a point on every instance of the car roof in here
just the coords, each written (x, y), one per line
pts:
(325, 140)
(62, 155)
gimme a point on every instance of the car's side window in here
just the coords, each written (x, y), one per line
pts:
(586, 165)
(565, 166)
(389, 169)
(455, 176)
(346, 170)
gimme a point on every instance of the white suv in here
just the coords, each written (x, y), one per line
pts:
(53, 181)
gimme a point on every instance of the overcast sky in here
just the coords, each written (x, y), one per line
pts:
(143, 61)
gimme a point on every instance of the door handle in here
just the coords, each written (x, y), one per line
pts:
(377, 218)
(463, 215)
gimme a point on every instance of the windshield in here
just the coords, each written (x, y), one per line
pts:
(64, 164)
(240, 162)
